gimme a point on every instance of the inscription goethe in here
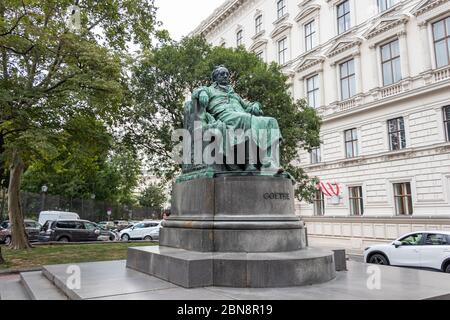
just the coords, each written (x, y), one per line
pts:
(276, 196)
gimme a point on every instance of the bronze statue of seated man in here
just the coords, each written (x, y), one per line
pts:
(226, 106)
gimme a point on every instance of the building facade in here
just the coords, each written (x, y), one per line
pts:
(378, 72)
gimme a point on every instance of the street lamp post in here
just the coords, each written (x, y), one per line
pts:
(44, 190)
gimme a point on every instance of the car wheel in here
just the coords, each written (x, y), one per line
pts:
(112, 237)
(125, 237)
(8, 240)
(63, 239)
(378, 258)
(148, 238)
(447, 269)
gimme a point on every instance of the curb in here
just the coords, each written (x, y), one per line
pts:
(15, 271)
(56, 243)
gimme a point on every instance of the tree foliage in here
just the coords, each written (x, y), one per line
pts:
(153, 196)
(50, 73)
(85, 163)
(165, 75)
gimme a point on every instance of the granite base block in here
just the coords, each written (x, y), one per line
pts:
(192, 269)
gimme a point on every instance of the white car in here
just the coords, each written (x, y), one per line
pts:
(146, 230)
(421, 249)
(45, 216)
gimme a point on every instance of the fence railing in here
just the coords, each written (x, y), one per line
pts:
(89, 209)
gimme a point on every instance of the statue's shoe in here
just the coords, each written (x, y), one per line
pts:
(280, 170)
(250, 167)
(271, 168)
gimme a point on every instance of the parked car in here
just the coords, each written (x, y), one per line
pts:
(147, 230)
(121, 224)
(45, 216)
(421, 249)
(108, 235)
(71, 231)
(32, 229)
(109, 225)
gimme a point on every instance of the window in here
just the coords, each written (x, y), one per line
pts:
(396, 128)
(383, 5)
(436, 240)
(343, 16)
(351, 143)
(282, 51)
(258, 24)
(447, 122)
(412, 240)
(310, 34)
(66, 225)
(90, 226)
(239, 38)
(441, 38)
(347, 70)
(315, 155)
(390, 63)
(312, 90)
(402, 197)
(281, 8)
(319, 204)
(356, 201)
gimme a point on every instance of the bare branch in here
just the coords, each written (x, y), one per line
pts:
(13, 27)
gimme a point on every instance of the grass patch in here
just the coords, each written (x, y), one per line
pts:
(60, 254)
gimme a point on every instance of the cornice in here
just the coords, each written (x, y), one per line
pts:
(257, 44)
(306, 12)
(258, 35)
(385, 24)
(426, 6)
(308, 63)
(218, 16)
(281, 19)
(343, 45)
(280, 29)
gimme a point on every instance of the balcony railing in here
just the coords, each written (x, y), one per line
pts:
(442, 74)
(391, 90)
(347, 104)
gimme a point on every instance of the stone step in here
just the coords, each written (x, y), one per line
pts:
(191, 269)
(39, 287)
(11, 288)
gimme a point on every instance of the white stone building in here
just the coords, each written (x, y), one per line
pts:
(378, 71)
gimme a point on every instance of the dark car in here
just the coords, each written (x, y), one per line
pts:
(32, 229)
(71, 231)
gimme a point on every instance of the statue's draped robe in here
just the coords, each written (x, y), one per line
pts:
(229, 108)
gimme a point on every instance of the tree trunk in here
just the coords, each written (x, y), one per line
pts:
(2, 207)
(19, 237)
(2, 261)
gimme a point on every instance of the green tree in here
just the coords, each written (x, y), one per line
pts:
(164, 76)
(51, 72)
(87, 161)
(153, 196)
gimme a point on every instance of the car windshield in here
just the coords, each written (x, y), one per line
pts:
(90, 226)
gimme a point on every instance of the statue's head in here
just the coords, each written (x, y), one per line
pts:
(221, 75)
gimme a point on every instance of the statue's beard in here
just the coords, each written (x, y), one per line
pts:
(223, 82)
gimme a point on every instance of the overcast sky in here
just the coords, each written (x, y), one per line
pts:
(182, 16)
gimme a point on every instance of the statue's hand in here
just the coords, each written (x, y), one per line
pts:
(203, 99)
(256, 109)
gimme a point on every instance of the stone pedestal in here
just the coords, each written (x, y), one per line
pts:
(232, 230)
